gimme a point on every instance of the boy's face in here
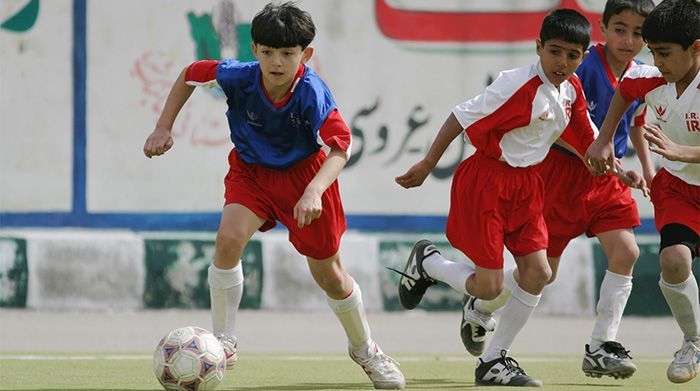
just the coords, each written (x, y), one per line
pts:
(280, 65)
(623, 36)
(559, 59)
(674, 63)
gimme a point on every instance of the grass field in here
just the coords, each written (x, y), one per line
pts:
(52, 371)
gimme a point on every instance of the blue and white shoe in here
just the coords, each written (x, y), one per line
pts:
(686, 362)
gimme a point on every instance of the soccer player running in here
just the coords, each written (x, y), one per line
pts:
(497, 194)
(576, 202)
(671, 90)
(278, 112)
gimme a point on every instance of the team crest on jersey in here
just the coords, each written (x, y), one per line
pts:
(591, 108)
(660, 111)
(253, 118)
(294, 120)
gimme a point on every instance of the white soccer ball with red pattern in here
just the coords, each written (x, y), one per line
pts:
(189, 359)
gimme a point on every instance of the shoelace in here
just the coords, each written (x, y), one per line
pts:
(511, 365)
(686, 353)
(617, 349)
(429, 280)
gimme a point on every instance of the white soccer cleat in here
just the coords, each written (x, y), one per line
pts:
(381, 369)
(686, 362)
(230, 345)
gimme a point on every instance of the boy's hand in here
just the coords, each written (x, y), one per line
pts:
(631, 178)
(600, 157)
(308, 208)
(660, 143)
(158, 143)
(415, 176)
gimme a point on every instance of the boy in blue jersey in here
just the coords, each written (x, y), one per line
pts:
(597, 206)
(279, 113)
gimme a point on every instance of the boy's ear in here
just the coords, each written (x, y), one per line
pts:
(696, 47)
(602, 26)
(306, 54)
(538, 46)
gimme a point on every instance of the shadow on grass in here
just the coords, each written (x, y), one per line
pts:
(428, 384)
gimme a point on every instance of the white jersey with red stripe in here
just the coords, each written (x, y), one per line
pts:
(678, 117)
(521, 114)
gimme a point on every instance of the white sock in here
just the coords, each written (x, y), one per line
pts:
(454, 274)
(683, 300)
(491, 306)
(614, 292)
(513, 318)
(351, 313)
(226, 291)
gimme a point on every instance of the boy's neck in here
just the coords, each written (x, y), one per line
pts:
(617, 68)
(683, 84)
(279, 96)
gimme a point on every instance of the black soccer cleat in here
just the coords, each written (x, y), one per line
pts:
(473, 326)
(611, 359)
(503, 371)
(414, 280)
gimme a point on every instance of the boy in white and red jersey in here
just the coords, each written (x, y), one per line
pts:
(497, 194)
(279, 113)
(672, 92)
(576, 202)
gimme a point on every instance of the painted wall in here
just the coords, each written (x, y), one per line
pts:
(82, 83)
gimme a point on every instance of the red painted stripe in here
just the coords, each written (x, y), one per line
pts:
(404, 25)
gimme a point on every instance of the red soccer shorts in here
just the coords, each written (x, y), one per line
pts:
(575, 202)
(492, 205)
(675, 201)
(272, 194)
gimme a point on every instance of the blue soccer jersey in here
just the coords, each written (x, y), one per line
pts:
(599, 85)
(276, 137)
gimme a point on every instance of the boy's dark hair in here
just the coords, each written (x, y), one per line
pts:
(567, 25)
(283, 26)
(614, 7)
(674, 21)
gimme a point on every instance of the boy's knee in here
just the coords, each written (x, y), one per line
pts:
(675, 261)
(230, 243)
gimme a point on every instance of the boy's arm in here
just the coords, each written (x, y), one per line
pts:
(160, 140)
(668, 149)
(415, 176)
(641, 146)
(309, 206)
(335, 134)
(600, 155)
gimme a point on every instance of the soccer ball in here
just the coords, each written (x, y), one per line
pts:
(189, 359)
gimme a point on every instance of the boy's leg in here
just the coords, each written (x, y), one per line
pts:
(345, 299)
(680, 289)
(225, 277)
(495, 367)
(604, 355)
(477, 315)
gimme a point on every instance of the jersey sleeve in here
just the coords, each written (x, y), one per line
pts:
(335, 134)
(202, 74)
(640, 114)
(505, 105)
(639, 81)
(581, 131)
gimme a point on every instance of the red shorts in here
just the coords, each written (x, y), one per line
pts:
(272, 195)
(675, 201)
(575, 202)
(492, 205)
